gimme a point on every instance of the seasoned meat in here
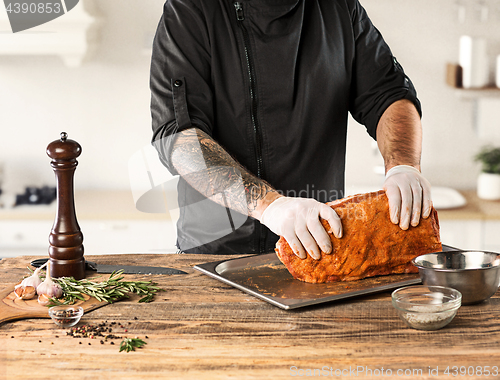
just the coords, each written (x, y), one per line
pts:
(371, 244)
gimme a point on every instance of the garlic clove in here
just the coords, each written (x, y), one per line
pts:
(29, 293)
(43, 299)
(34, 280)
(25, 292)
(19, 291)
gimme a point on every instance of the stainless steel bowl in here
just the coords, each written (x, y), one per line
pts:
(475, 274)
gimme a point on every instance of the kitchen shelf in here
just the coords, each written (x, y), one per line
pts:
(477, 93)
(66, 36)
(475, 96)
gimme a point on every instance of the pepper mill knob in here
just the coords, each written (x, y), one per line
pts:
(65, 239)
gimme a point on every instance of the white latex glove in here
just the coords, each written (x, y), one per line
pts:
(409, 195)
(297, 220)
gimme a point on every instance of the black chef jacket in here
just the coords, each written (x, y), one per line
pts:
(272, 81)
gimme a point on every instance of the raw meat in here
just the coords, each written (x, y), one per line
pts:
(371, 244)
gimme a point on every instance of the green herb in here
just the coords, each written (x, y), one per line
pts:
(110, 290)
(130, 344)
(490, 159)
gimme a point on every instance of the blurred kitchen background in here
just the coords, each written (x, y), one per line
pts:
(95, 87)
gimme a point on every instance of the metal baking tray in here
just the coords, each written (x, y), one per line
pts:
(265, 277)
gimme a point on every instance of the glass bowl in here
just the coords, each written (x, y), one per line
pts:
(426, 307)
(66, 315)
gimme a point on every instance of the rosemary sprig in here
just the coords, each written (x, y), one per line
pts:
(130, 344)
(110, 290)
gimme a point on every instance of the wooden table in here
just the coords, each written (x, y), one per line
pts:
(199, 328)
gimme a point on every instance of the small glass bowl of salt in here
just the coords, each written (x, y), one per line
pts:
(426, 307)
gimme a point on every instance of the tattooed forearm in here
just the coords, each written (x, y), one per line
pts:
(256, 190)
(399, 135)
(208, 168)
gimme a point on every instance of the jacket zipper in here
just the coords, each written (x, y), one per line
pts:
(257, 133)
(253, 88)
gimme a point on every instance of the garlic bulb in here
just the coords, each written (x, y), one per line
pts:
(49, 288)
(34, 280)
(26, 290)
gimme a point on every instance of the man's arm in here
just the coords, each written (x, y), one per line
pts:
(209, 169)
(399, 137)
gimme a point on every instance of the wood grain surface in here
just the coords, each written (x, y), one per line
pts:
(13, 308)
(199, 328)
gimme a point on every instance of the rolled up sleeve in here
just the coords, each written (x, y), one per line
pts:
(378, 78)
(181, 58)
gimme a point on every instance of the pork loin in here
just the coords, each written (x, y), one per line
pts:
(371, 244)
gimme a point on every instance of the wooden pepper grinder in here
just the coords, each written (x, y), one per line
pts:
(66, 239)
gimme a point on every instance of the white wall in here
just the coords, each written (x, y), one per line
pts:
(424, 36)
(104, 104)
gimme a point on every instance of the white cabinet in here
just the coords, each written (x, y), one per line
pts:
(128, 236)
(492, 236)
(109, 221)
(462, 234)
(471, 234)
(26, 237)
